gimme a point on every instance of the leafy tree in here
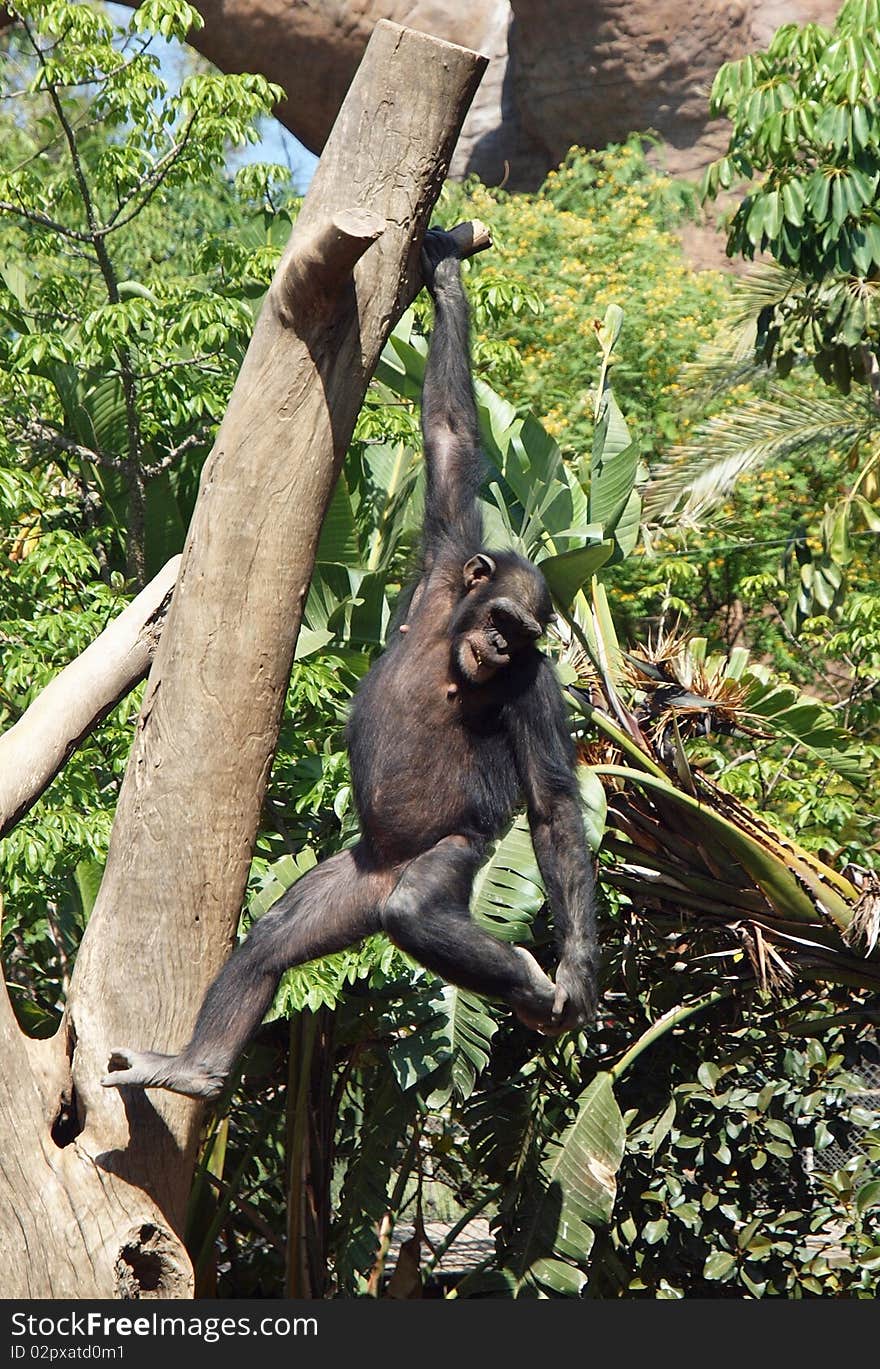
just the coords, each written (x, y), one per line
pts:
(806, 125)
(131, 272)
(127, 352)
(805, 131)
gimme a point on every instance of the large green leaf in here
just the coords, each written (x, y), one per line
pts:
(338, 542)
(628, 525)
(88, 875)
(386, 1113)
(613, 467)
(578, 1187)
(402, 364)
(97, 414)
(595, 807)
(470, 1028)
(570, 571)
(350, 603)
(587, 1156)
(451, 1047)
(426, 1050)
(165, 528)
(788, 877)
(783, 709)
(392, 477)
(310, 640)
(545, 506)
(508, 891)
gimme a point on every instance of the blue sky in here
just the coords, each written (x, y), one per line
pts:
(276, 145)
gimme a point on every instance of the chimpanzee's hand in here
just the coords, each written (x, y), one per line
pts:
(576, 993)
(440, 258)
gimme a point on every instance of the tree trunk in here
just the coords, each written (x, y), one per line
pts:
(95, 1183)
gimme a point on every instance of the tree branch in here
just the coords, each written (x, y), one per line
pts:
(471, 237)
(35, 749)
(42, 221)
(194, 439)
(44, 435)
(323, 260)
(151, 180)
(134, 476)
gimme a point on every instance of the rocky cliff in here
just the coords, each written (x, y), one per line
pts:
(561, 71)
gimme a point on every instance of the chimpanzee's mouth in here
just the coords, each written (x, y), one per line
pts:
(487, 659)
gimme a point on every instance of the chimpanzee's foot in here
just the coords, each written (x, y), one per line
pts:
(544, 1006)
(534, 999)
(149, 1070)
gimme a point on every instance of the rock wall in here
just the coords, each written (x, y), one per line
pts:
(592, 71)
(561, 71)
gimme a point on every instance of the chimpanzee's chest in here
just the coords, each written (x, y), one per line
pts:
(427, 761)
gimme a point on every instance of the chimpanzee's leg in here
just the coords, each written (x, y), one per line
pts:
(331, 907)
(427, 915)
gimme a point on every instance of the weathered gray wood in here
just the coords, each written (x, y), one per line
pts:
(110, 1204)
(74, 702)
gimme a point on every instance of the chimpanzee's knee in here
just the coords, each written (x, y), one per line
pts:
(438, 881)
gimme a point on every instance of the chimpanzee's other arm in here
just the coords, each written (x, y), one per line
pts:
(545, 759)
(455, 466)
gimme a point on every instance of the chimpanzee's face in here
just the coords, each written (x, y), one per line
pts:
(504, 609)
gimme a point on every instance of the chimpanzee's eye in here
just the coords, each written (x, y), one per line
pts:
(512, 625)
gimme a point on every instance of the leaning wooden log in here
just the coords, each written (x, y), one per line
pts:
(35, 749)
(93, 1205)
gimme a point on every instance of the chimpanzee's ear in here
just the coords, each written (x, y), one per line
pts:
(479, 567)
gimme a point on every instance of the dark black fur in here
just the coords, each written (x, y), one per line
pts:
(459, 721)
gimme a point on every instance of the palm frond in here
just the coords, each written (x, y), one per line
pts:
(724, 362)
(573, 1193)
(728, 358)
(685, 850)
(766, 285)
(695, 477)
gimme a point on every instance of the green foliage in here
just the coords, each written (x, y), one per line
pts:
(599, 232)
(536, 501)
(806, 134)
(131, 269)
(806, 123)
(714, 1199)
(125, 305)
(573, 1193)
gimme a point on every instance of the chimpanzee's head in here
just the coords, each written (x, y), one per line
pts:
(504, 608)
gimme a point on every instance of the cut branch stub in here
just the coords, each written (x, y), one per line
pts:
(324, 260)
(471, 237)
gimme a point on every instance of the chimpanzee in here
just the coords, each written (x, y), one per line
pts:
(459, 720)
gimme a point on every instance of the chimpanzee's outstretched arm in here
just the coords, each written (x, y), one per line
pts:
(545, 758)
(455, 466)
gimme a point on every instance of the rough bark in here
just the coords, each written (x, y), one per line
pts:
(97, 1212)
(74, 702)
